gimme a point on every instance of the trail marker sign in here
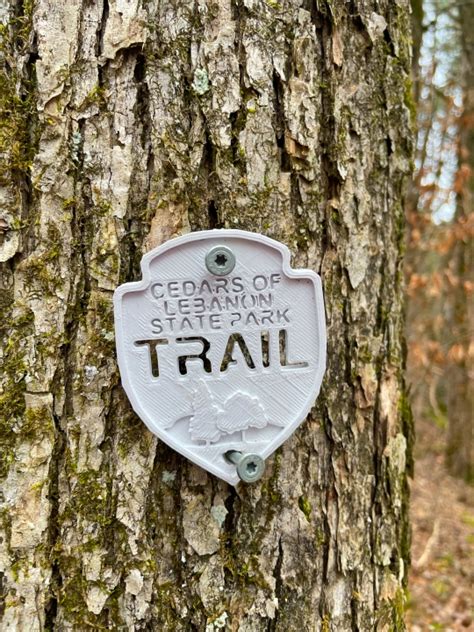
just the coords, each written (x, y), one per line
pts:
(221, 346)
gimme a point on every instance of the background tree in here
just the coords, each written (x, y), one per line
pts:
(126, 124)
(461, 353)
(439, 292)
(440, 218)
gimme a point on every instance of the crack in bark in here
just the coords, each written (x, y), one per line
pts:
(101, 29)
(279, 588)
(77, 304)
(207, 169)
(212, 214)
(280, 122)
(3, 593)
(378, 444)
(54, 529)
(142, 108)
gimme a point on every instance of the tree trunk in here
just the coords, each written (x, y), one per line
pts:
(128, 123)
(460, 450)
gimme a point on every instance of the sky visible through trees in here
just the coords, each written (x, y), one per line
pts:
(439, 109)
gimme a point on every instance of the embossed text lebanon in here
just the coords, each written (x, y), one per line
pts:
(221, 359)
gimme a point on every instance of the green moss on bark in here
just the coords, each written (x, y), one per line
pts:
(12, 395)
(18, 116)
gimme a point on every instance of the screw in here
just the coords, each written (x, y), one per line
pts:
(220, 260)
(250, 467)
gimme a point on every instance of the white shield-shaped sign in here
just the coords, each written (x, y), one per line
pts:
(221, 346)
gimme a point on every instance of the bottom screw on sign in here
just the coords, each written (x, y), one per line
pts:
(250, 467)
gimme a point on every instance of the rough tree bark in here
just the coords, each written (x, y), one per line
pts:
(460, 450)
(127, 123)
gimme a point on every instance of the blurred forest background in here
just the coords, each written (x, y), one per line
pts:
(440, 308)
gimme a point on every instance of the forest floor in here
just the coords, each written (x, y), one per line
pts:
(442, 515)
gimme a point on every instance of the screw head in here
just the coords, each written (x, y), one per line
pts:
(220, 260)
(250, 468)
